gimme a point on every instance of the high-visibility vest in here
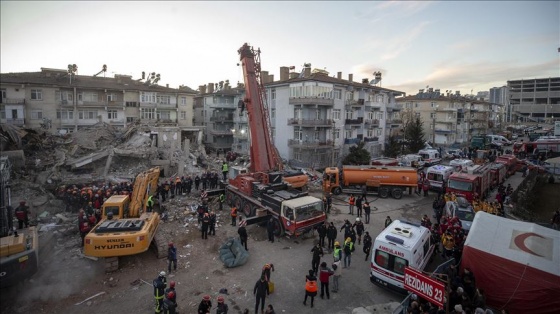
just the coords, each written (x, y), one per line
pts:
(233, 212)
(311, 286)
(352, 200)
(225, 167)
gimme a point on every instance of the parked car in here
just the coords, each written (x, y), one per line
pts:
(496, 145)
(461, 209)
(453, 153)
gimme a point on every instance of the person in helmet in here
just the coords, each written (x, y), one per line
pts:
(267, 268)
(159, 291)
(172, 289)
(222, 306)
(169, 304)
(22, 215)
(348, 249)
(205, 305)
(205, 224)
(171, 257)
(359, 226)
(337, 253)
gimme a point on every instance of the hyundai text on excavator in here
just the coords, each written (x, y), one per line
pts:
(19, 249)
(263, 191)
(127, 227)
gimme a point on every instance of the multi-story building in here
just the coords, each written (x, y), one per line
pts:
(534, 100)
(448, 118)
(498, 99)
(59, 101)
(316, 118)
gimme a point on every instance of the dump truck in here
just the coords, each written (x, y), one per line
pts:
(383, 181)
(19, 249)
(127, 226)
(510, 161)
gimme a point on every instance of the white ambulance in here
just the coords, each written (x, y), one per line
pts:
(399, 245)
(430, 156)
(460, 164)
(437, 176)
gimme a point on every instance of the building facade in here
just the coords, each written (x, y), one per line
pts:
(534, 100)
(448, 118)
(59, 101)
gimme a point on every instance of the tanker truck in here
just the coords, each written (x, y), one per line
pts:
(382, 181)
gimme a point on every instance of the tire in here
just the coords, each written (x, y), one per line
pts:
(397, 193)
(278, 228)
(337, 191)
(248, 209)
(383, 192)
(229, 198)
(238, 203)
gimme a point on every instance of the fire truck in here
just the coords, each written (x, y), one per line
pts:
(472, 182)
(261, 192)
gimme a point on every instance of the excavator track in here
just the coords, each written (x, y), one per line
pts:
(111, 264)
(159, 245)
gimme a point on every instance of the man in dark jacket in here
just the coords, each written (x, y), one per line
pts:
(331, 236)
(243, 236)
(324, 276)
(322, 230)
(270, 230)
(171, 257)
(368, 241)
(212, 224)
(205, 225)
(260, 291)
(159, 290)
(347, 227)
(169, 307)
(317, 251)
(205, 305)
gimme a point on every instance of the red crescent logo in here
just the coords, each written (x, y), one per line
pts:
(520, 242)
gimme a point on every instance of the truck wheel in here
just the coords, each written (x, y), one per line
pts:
(337, 191)
(238, 203)
(248, 209)
(383, 192)
(278, 228)
(397, 193)
(229, 198)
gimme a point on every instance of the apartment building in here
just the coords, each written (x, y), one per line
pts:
(316, 118)
(534, 100)
(59, 101)
(449, 118)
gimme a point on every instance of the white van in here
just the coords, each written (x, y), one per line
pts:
(399, 245)
(437, 175)
(430, 156)
(460, 164)
(499, 139)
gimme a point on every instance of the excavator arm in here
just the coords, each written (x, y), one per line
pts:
(145, 185)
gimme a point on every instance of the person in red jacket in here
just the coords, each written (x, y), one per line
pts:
(324, 274)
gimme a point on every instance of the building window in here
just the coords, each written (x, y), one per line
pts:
(164, 100)
(149, 113)
(147, 97)
(336, 114)
(317, 114)
(316, 135)
(36, 114)
(297, 155)
(348, 134)
(336, 134)
(349, 114)
(111, 114)
(183, 100)
(370, 116)
(65, 114)
(2, 114)
(379, 98)
(36, 94)
(183, 115)
(337, 94)
(273, 113)
(297, 113)
(131, 104)
(298, 135)
(4, 96)
(370, 133)
(273, 94)
(350, 96)
(87, 114)
(432, 115)
(378, 132)
(164, 115)
(130, 119)
(111, 97)
(87, 96)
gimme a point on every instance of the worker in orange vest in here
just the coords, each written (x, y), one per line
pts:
(233, 215)
(351, 203)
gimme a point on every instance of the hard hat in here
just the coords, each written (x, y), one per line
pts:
(358, 219)
(206, 298)
(170, 244)
(220, 299)
(172, 284)
(170, 295)
(336, 243)
(162, 274)
(348, 239)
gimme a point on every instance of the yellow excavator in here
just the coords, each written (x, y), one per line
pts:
(128, 226)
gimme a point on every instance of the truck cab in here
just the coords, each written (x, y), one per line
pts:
(117, 205)
(300, 215)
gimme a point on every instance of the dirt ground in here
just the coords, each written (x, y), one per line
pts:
(547, 202)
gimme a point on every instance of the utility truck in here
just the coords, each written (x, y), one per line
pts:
(471, 183)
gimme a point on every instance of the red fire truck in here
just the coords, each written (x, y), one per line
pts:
(472, 182)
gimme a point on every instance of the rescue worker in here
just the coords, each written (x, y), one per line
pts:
(310, 287)
(169, 306)
(221, 200)
(172, 289)
(222, 306)
(388, 221)
(205, 225)
(359, 226)
(233, 215)
(336, 275)
(243, 236)
(85, 227)
(331, 236)
(171, 257)
(337, 252)
(448, 242)
(368, 241)
(270, 229)
(150, 204)
(261, 291)
(367, 211)
(347, 227)
(359, 206)
(205, 305)
(159, 291)
(267, 268)
(348, 249)
(225, 170)
(351, 203)
(324, 276)
(317, 251)
(322, 230)
(22, 215)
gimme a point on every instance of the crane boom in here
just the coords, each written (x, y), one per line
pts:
(263, 153)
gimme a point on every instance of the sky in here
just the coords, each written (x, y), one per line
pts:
(465, 46)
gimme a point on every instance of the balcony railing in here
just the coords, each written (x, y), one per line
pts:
(393, 121)
(13, 101)
(241, 136)
(228, 118)
(310, 144)
(224, 105)
(18, 122)
(371, 122)
(374, 104)
(311, 101)
(311, 123)
(359, 120)
(371, 139)
(220, 132)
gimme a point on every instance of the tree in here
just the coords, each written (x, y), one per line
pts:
(357, 156)
(414, 134)
(392, 147)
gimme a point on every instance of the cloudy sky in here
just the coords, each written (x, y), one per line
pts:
(468, 45)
